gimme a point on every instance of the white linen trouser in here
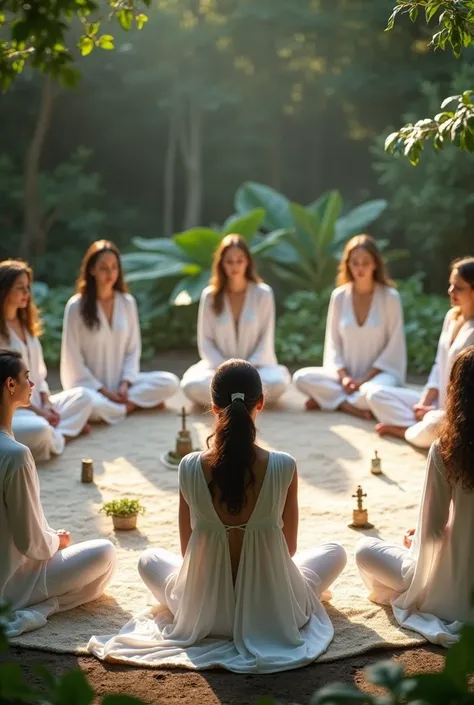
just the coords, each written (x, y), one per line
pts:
(380, 567)
(149, 390)
(197, 380)
(78, 574)
(394, 406)
(157, 564)
(324, 387)
(74, 407)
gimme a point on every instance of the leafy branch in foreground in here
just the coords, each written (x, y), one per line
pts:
(455, 28)
(35, 33)
(456, 126)
(455, 20)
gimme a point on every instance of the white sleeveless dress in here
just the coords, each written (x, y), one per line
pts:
(270, 621)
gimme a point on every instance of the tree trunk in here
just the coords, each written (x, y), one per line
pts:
(191, 145)
(169, 173)
(35, 228)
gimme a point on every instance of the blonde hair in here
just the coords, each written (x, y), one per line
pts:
(367, 243)
(218, 279)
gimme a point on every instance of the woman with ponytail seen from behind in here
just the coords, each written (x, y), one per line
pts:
(239, 598)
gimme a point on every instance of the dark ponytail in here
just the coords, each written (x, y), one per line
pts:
(232, 452)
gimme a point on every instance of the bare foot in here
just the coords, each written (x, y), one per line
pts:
(131, 407)
(354, 411)
(86, 430)
(161, 406)
(384, 429)
(311, 404)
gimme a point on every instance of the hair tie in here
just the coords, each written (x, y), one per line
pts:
(237, 395)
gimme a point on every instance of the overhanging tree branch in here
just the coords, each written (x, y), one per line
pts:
(455, 28)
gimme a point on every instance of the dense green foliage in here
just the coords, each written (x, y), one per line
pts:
(123, 507)
(160, 132)
(455, 122)
(38, 34)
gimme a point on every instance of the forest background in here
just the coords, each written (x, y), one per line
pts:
(251, 108)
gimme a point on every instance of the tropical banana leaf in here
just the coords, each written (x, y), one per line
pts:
(199, 244)
(189, 289)
(358, 219)
(244, 225)
(277, 207)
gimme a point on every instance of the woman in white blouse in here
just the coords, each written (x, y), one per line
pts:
(50, 419)
(403, 413)
(236, 319)
(240, 596)
(365, 339)
(429, 583)
(101, 344)
(41, 572)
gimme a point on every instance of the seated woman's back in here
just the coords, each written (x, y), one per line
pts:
(235, 535)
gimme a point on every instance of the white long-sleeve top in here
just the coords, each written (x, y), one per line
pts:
(439, 566)
(26, 540)
(378, 343)
(448, 350)
(32, 354)
(254, 341)
(103, 356)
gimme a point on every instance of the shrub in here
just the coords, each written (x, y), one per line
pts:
(123, 507)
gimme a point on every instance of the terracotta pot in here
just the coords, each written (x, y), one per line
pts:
(125, 523)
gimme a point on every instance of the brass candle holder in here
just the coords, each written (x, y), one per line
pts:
(360, 518)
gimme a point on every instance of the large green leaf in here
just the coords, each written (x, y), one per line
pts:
(331, 213)
(358, 219)
(318, 207)
(133, 261)
(306, 220)
(340, 693)
(163, 269)
(244, 225)
(277, 207)
(269, 242)
(199, 244)
(164, 245)
(189, 289)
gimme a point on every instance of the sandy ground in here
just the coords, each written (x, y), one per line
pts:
(333, 454)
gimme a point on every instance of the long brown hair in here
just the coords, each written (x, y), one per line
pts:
(218, 279)
(86, 286)
(368, 243)
(465, 268)
(232, 450)
(456, 439)
(10, 270)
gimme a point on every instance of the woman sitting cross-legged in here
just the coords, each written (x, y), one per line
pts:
(402, 412)
(40, 571)
(237, 599)
(236, 319)
(430, 582)
(50, 419)
(101, 343)
(365, 340)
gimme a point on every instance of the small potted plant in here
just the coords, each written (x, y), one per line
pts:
(124, 512)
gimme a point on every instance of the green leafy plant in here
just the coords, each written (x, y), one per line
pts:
(306, 259)
(451, 685)
(51, 303)
(123, 507)
(186, 258)
(71, 687)
(455, 28)
(37, 36)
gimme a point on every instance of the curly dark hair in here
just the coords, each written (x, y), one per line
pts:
(456, 441)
